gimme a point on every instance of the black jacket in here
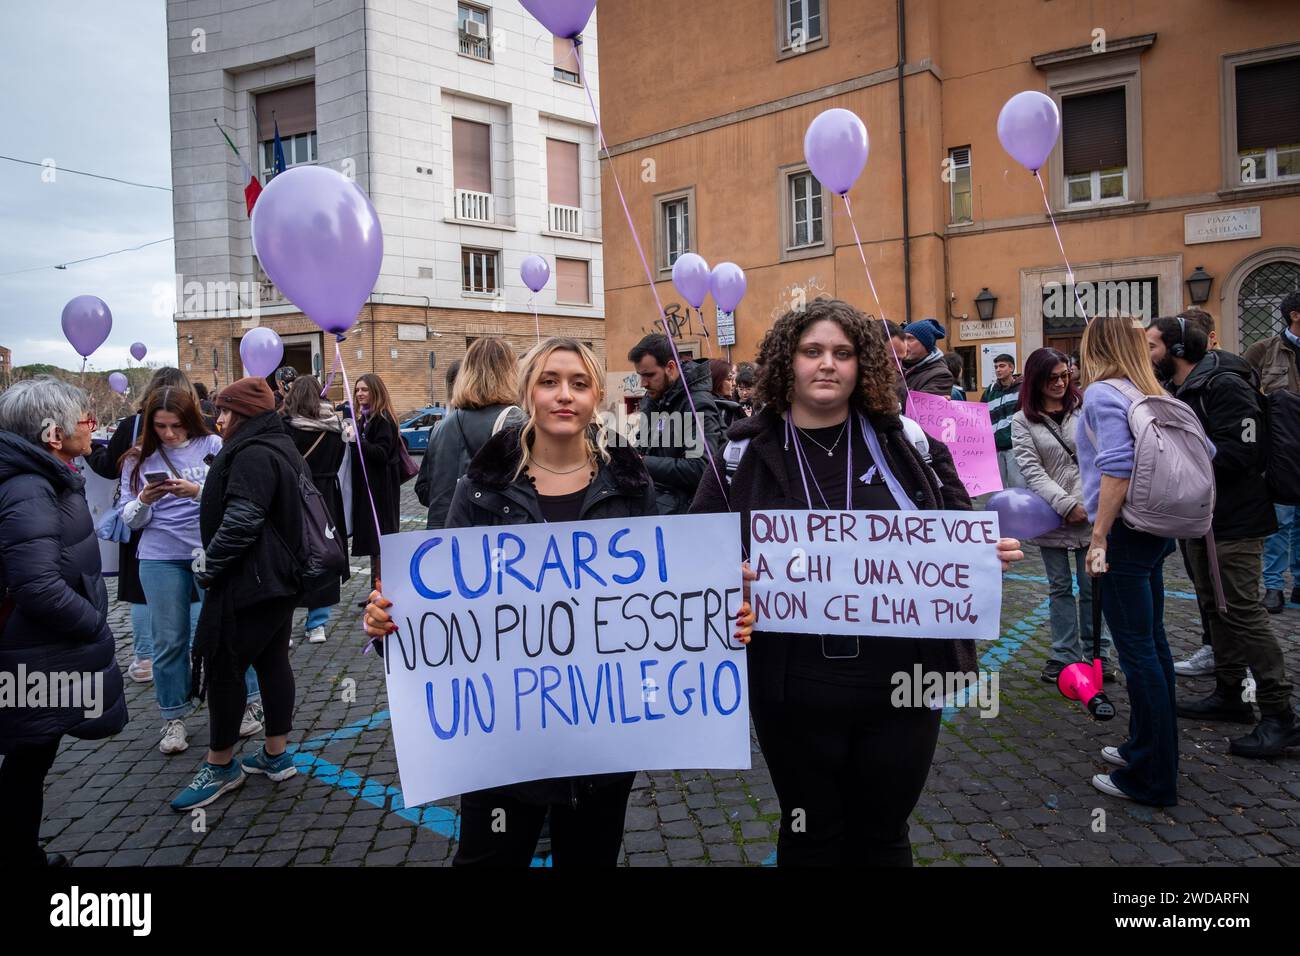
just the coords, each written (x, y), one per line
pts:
(323, 460)
(677, 476)
(378, 442)
(104, 462)
(762, 482)
(52, 596)
(454, 443)
(1223, 392)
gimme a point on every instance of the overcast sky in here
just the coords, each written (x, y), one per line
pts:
(85, 84)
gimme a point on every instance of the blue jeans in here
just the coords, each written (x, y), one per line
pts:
(173, 619)
(1071, 622)
(1133, 602)
(1281, 547)
(141, 632)
(317, 617)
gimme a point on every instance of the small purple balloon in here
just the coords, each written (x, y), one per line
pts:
(319, 240)
(564, 18)
(836, 147)
(118, 383)
(86, 323)
(691, 278)
(535, 272)
(261, 350)
(138, 351)
(728, 284)
(1028, 127)
(1023, 514)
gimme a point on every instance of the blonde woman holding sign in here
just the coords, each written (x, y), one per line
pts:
(556, 467)
(848, 765)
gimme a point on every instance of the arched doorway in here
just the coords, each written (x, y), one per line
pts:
(1253, 293)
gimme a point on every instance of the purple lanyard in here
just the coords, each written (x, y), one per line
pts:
(791, 432)
(872, 440)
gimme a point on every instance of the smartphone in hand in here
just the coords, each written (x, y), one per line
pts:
(155, 477)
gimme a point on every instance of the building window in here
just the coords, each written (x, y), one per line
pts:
(475, 32)
(292, 111)
(1259, 300)
(959, 189)
(572, 281)
(566, 57)
(479, 271)
(471, 147)
(674, 227)
(1095, 138)
(969, 366)
(801, 24)
(1268, 121)
(563, 187)
(805, 211)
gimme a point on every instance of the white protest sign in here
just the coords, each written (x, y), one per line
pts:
(549, 650)
(885, 574)
(100, 493)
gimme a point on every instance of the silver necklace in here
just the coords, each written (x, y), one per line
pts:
(585, 464)
(829, 451)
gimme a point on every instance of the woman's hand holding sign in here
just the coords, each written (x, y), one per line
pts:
(1009, 553)
(745, 616)
(378, 623)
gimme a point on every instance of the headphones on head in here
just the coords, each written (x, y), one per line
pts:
(1177, 350)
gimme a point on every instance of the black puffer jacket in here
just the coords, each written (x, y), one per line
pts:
(1223, 391)
(54, 599)
(454, 443)
(675, 474)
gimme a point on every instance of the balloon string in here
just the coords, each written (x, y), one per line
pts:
(1069, 270)
(871, 282)
(645, 263)
(347, 388)
(338, 363)
(536, 319)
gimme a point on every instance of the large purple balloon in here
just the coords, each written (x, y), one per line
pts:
(86, 323)
(261, 350)
(535, 272)
(836, 147)
(138, 351)
(319, 240)
(1028, 126)
(118, 383)
(564, 18)
(728, 284)
(1023, 514)
(691, 278)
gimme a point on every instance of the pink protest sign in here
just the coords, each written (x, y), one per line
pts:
(967, 431)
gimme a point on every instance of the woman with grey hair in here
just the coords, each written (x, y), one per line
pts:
(53, 605)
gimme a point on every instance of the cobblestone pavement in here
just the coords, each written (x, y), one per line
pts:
(1012, 790)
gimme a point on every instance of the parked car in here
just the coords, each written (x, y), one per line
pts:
(417, 425)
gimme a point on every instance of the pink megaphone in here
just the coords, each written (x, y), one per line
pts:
(1083, 682)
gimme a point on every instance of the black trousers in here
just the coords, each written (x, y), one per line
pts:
(499, 829)
(261, 641)
(848, 769)
(22, 798)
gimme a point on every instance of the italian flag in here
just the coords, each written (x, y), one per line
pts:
(254, 188)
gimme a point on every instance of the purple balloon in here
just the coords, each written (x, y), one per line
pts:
(836, 147)
(1028, 127)
(319, 240)
(535, 272)
(118, 383)
(564, 18)
(1023, 514)
(261, 349)
(691, 278)
(138, 351)
(86, 323)
(728, 284)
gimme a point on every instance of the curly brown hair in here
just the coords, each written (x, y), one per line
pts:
(877, 377)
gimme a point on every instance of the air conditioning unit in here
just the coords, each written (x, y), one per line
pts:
(475, 29)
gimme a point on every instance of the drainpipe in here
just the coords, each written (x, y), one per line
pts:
(902, 146)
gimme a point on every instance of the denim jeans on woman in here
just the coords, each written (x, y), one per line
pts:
(167, 586)
(1071, 620)
(1133, 602)
(1282, 548)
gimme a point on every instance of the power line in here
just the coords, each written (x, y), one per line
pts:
(82, 172)
(73, 262)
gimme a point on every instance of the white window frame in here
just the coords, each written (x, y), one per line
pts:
(819, 220)
(791, 26)
(1270, 165)
(558, 300)
(475, 252)
(571, 77)
(1094, 179)
(461, 40)
(1232, 156)
(266, 153)
(953, 167)
(785, 45)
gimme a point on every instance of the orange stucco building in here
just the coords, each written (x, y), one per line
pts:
(1180, 149)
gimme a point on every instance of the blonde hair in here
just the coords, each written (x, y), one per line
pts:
(488, 375)
(531, 367)
(1116, 347)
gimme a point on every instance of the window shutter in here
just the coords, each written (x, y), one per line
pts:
(1096, 135)
(571, 281)
(563, 51)
(471, 146)
(562, 186)
(1268, 104)
(293, 107)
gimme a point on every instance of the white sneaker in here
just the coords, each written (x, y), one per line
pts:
(1200, 664)
(141, 671)
(1111, 756)
(316, 635)
(1103, 783)
(252, 722)
(173, 737)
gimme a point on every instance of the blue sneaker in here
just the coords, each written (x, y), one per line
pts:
(276, 768)
(209, 783)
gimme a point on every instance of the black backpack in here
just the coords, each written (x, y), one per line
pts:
(1282, 447)
(323, 554)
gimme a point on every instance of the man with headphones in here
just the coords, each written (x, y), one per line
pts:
(1222, 389)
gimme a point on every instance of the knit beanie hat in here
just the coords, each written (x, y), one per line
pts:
(926, 332)
(248, 397)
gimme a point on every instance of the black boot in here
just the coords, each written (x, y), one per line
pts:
(1270, 738)
(1273, 601)
(1217, 707)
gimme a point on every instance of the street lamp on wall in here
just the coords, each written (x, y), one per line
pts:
(1198, 286)
(985, 303)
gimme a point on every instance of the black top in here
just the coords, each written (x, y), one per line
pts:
(562, 507)
(1058, 417)
(841, 659)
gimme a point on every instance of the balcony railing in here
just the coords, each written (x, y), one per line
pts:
(566, 219)
(474, 206)
(472, 46)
